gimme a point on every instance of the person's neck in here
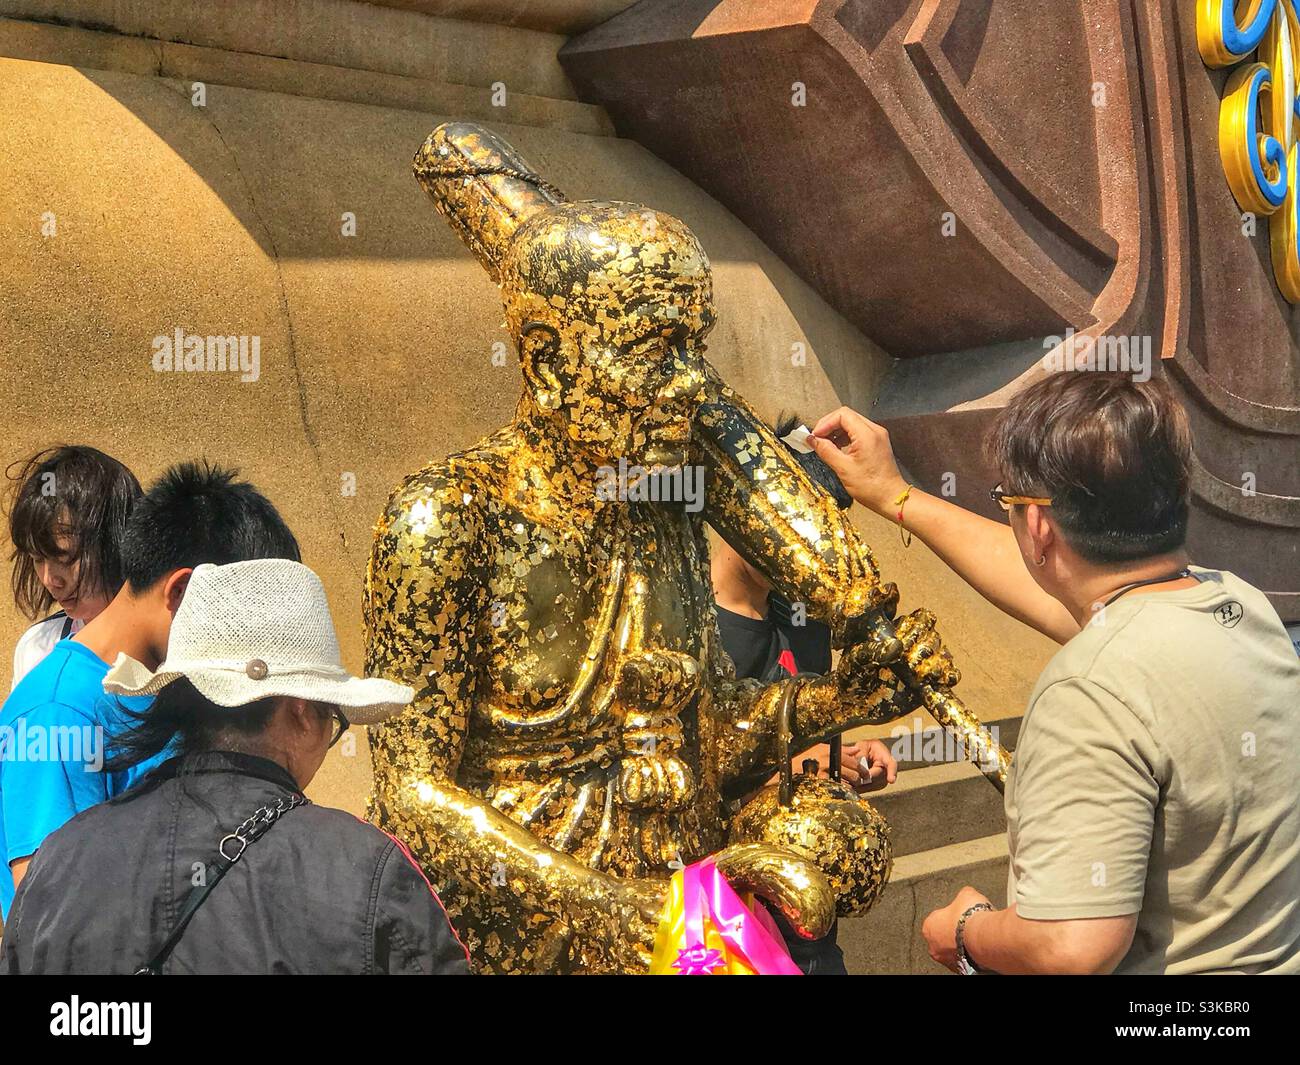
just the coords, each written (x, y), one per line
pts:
(276, 753)
(741, 594)
(1088, 594)
(266, 749)
(120, 629)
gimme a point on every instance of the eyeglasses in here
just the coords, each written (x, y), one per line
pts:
(1006, 500)
(341, 725)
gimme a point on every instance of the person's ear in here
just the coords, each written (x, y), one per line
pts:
(302, 715)
(174, 589)
(299, 719)
(1042, 533)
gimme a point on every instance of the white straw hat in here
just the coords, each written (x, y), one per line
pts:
(255, 629)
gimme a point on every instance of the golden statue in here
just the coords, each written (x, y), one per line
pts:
(577, 732)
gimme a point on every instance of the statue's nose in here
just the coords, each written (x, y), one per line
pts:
(687, 381)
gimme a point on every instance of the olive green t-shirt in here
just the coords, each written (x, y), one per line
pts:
(1158, 773)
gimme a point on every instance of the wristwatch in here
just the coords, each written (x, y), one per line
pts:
(965, 966)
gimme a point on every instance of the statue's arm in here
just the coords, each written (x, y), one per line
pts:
(761, 502)
(426, 602)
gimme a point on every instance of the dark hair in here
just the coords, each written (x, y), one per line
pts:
(199, 513)
(1113, 455)
(181, 713)
(77, 492)
(821, 474)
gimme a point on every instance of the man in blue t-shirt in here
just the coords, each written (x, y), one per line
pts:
(57, 726)
(53, 733)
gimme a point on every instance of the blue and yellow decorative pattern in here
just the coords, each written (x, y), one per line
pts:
(1259, 118)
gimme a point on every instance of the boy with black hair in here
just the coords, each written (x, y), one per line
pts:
(53, 726)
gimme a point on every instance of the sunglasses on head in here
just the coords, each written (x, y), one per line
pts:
(1007, 500)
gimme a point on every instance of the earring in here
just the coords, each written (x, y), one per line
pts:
(1042, 560)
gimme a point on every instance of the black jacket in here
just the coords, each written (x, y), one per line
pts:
(320, 892)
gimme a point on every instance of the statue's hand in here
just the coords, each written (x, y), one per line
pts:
(858, 668)
(655, 781)
(923, 650)
(622, 919)
(793, 885)
(914, 642)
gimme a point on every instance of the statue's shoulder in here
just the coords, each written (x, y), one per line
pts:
(446, 500)
(450, 499)
(487, 462)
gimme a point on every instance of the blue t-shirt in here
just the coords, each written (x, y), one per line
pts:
(53, 732)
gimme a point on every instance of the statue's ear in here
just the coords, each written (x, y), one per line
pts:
(540, 355)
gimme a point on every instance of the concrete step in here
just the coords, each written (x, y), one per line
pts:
(97, 50)
(935, 806)
(888, 938)
(335, 33)
(940, 798)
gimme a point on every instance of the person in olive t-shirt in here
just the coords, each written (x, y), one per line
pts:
(1153, 806)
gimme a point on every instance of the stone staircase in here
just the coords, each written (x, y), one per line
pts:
(948, 831)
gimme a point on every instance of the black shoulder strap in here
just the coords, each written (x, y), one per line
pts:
(236, 842)
(773, 670)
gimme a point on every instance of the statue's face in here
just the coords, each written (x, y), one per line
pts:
(609, 304)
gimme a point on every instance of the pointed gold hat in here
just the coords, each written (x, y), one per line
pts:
(482, 187)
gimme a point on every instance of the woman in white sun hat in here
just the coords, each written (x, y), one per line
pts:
(217, 862)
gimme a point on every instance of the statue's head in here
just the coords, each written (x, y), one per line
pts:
(608, 303)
